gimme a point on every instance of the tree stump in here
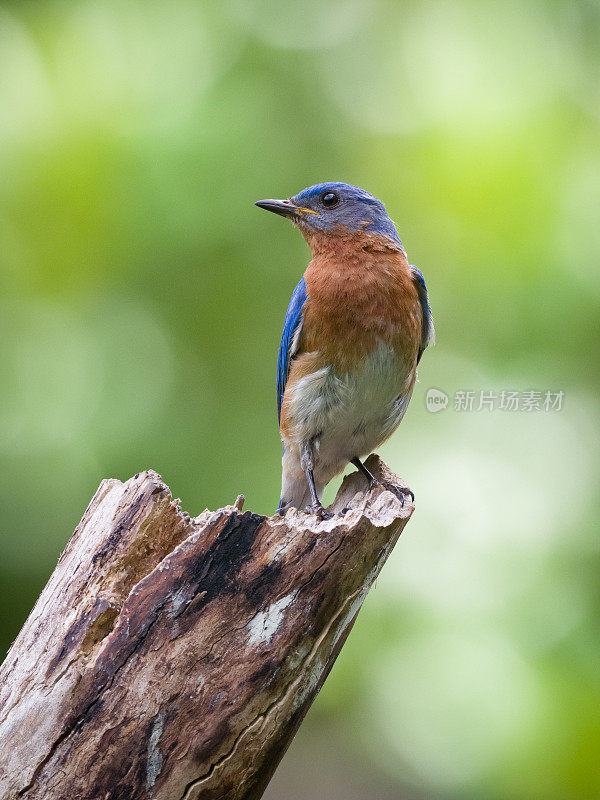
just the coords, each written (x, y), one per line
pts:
(174, 658)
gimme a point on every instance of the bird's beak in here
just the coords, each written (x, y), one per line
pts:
(283, 207)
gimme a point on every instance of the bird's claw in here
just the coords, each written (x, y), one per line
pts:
(399, 491)
(319, 511)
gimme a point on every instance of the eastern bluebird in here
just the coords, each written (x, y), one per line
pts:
(355, 329)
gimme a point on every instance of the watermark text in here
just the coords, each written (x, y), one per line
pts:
(530, 400)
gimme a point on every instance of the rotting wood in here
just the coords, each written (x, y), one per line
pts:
(174, 658)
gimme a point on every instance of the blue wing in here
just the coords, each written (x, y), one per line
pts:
(428, 332)
(291, 326)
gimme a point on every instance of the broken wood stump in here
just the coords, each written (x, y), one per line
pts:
(173, 658)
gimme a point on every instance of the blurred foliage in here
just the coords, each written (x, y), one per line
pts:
(142, 298)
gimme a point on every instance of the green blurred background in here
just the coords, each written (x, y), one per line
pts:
(142, 298)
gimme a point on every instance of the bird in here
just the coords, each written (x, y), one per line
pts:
(354, 332)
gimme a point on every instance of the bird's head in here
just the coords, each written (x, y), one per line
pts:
(334, 209)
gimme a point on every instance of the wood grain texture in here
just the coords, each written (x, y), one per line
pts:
(174, 658)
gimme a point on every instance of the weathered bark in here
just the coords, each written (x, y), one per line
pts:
(174, 658)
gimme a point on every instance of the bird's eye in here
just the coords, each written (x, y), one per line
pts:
(330, 199)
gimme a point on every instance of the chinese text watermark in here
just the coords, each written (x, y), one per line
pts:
(530, 400)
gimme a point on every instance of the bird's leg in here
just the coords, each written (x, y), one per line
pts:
(399, 491)
(307, 464)
(373, 482)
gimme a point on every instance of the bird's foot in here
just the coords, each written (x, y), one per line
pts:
(399, 491)
(317, 508)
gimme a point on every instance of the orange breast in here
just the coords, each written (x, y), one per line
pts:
(360, 291)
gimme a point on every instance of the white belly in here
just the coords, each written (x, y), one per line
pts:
(347, 416)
